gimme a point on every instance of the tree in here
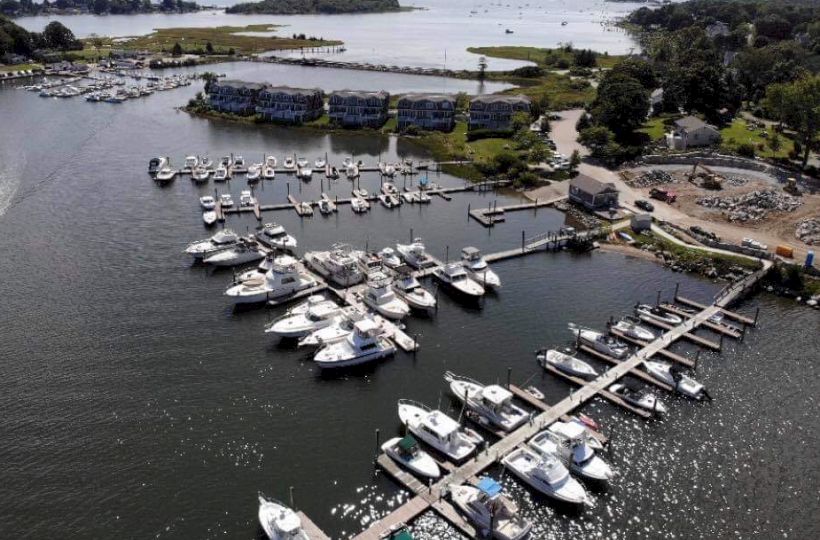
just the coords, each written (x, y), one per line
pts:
(519, 121)
(775, 143)
(209, 48)
(638, 69)
(584, 58)
(96, 42)
(622, 104)
(800, 110)
(574, 160)
(482, 68)
(56, 36)
(177, 49)
(595, 138)
(209, 77)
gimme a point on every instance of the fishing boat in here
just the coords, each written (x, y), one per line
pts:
(370, 263)
(254, 173)
(414, 254)
(491, 402)
(478, 269)
(454, 276)
(629, 327)
(545, 473)
(285, 278)
(224, 239)
(289, 163)
(566, 363)
(280, 522)
(389, 258)
(408, 288)
(200, 174)
(488, 509)
(274, 236)
(207, 202)
(638, 397)
(320, 314)
(242, 253)
(570, 443)
(246, 199)
(260, 270)
(225, 200)
(165, 175)
(602, 343)
(221, 174)
(366, 343)
(337, 265)
(340, 327)
(209, 217)
(380, 297)
(675, 377)
(438, 430)
(156, 164)
(658, 314)
(359, 205)
(406, 452)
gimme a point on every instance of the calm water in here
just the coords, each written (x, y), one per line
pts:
(137, 403)
(436, 36)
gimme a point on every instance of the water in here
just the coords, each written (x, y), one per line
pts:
(137, 403)
(436, 36)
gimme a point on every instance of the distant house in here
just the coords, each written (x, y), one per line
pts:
(592, 193)
(291, 105)
(717, 29)
(496, 111)
(427, 111)
(236, 97)
(356, 109)
(691, 131)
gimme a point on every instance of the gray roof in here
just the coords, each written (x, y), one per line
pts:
(690, 123)
(292, 91)
(429, 97)
(501, 98)
(364, 94)
(241, 84)
(587, 184)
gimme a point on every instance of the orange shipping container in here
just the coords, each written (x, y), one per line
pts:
(785, 251)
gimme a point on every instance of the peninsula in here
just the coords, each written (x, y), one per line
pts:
(327, 7)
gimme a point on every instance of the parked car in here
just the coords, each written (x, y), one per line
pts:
(754, 244)
(644, 205)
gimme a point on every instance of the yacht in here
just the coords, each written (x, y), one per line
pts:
(209, 217)
(224, 239)
(157, 163)
(254, 173)
(389, 201)
(225, 200)
(320, 314)
(379, 296)
(301, 163)
(280, 522)
(389, 258)
(207, 202)
(289, 163)
(286, 277)
(638, 397)
(326, 207)
(200, 174)
(347, 162)
(274, 236)
(340, 327)
(268, 172)
(389, 188)
(657, 314)
(365, 344)
(320, 163)
(304, 173)
(191, 162)
(454, 275)
(545, 473)
(246, 199)
(336, 265)
(238, 164)
(629, 327)
(270, 161)
(414, 254)
(359, 205)
(491, 402)
(438, 430)
(566, 363)
(676, 378)
(165, 175)
(406, 452)
(260, 270)
(241, 253)
(487, 507)
(602, 343)
(352, 171)
(221, 174)
(478, 269)
(410, 290)
(368, 262)
(569, 442)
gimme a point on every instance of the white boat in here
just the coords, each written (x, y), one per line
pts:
(225, 200)
(320, 163)
(389, 188)
(389, 258)
(370, 263)
(629, 327)
(260, 270)
(270, 161)
(478, 269)
(246, 199)
(410, 290)
(545, 473)
(337, 265)
(320, 314)
(200, 174)
(366, 343)
(157, 163)
(268, 172)
(438, 430)
(191, 162)
(209, 217)
(340, 327)
(380, 297)
(326, 207)
(274, 236)
(221, 174)
(676, 378)
(423, 198)
(658, 314)
(454, 275)
(359, 205)
(486, 507)
(241, 253)
(304, 173)
(566, 363)
(602, 343)
(492, 402)
(207, 202)
(206, 162)
(638, 397)
(414, 254)
(569, 441)
(388, 201)
(222, 240)
(280, 522)
(352, 171)
(301, 163)
(289, 163)
(254, 173)
(285, 277)
(238, 164)
(332, 173)
(165, 174)
(406, 452)
(346, 162)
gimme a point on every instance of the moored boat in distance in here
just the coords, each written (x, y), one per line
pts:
(438, 430)
(165, 175)
(224, 239)
(630, 327)
(406, 452)
(602, 343)
(380, 297)
(658, 314)
(675, 377)
(408, 288)
(367, 343)
(209, 217)
(243, 252)
(478, 269)
(274, 236)
(569, 442)
(566, 363)
(285, 278)
(337, 265)
(488, 509)
(491, 402)
(414, 254)
(157, 163)
(320, 313)
(207, 202)
(455, 276)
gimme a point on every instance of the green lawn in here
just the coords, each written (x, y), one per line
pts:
(738, 133)
(542, 57)
(19, 67)
(654, 128)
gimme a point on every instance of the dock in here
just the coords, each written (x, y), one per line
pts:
(635, 372)
(730, 314)
(313, 531)
(493, 214)
(703, 342)
(716, 327)
(669, 355)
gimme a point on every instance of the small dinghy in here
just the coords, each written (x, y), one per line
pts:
(675, 377)
(657, 314)
(407, 453)
(638, 397)
(566, 363)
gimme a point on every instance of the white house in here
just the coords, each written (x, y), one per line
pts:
(691, 131)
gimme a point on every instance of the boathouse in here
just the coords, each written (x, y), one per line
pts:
(592, 193)
(237, 97)
(427, 111)
(290, 105)
(493, 111)
(351, 108)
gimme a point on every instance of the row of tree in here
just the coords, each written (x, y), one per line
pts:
(17, 40)
(293, 7)
(18, 8)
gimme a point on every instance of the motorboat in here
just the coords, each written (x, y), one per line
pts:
(191, 162)
(206, 162)
(346, 162)
(165, 175)
(268, 172)
(320, 163)
(224, 239)
(242, 253)
(602, 343)
(491, 402)
(289, 163)
(406, 452)
(676, 378)
(566, 363)
(157, 163)
(390, 258)
(352, 171)
(380, 297)
(570, 442)
(280, 522)
(478, 269)
(370, 263)
(337, 265)
(320, 314)
(438, 430)
(285, 278)
(629, 327)
(200, 174)
(487, 508)
(221, 174)
(359, 205)
(423, 197)
(332, 173)
(260, 270)
(454, 275)
(270, 161)
(254, 173)
(389, 188)
(658, 314)
(304, 173)
(366, 343)
(209, 217)
(225, 200)
(410, 196)
(339, 328)
(414, 254)
(638, 397)
(274, 236)
(545, 473)
(389, 201)
(246, 199)
(301, 163)
(326, 207)
(408, 288)
(238, 164)
(207, 202)
(304, 208)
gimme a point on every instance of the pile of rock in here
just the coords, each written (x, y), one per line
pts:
(736, 181)
(753, 206)
(808, 231)
(655, 177)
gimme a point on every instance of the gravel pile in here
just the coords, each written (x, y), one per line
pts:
(736, 181)
(655, 177)
(753, 206)
(808, 231)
